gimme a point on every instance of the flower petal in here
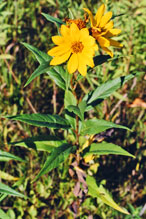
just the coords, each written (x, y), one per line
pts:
(57, 40)
(115, 43)
(64, 30)
(82, 68)
(108, 51)
(93, 22)
(72, 64)
(109, 25)
(113, 32)
(60, 59)
(105, 19)
(99, 14)
(88, 59)
(84, 34)
(59, 50)
(74, 32)
(103, 41)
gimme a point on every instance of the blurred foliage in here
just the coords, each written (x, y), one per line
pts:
(52, 195)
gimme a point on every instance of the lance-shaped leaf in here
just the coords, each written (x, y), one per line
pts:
(43, 68)
(3, 215)
(100, 59)
(75, 110)
(78, 110)
(95, 126)
(40, 143)
(102, 194)
(106, 148)
(55, 20)
(40, 56)
(56, 76)
(106, 89)
(66, 77)
(58, 156)
(5, 156)
(9, 191)
(42, 120)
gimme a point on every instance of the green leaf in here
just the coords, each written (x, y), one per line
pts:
(78, 110)
(69, 99)
(9, 156)
(40, 56)
(42, 120)
(57, 21)
(43, 68)
(55, 75)
(9, 191)
(82, 106)
(64, 75)
(58, 156)
(95, 126)
(102, 194)
(3, 215)
(75, 110)
(106, 89)
(100, 59)
(105, 148)
(40, 143)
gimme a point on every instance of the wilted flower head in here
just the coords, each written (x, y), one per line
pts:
(102, 29)
(79, 22)
(76, 46)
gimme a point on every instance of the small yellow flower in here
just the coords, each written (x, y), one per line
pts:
(76, 46)
(102, 29)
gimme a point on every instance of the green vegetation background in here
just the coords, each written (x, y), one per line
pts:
(52, 195)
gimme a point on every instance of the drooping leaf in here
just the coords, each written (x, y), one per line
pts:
(95, 126)
(102, 194)
(55, 20)
(9, 191)
(43, 68)
(105, 148)
(40, 56)
(42, 120)
(106, 89)
(69, 99)
(9, 156)
(58, 156)
(3, 215)
(40, 143)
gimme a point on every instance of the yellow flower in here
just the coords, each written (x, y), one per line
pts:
(76, 46)
(102, 29)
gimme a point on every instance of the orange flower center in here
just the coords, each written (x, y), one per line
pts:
(77, 47)
(79, 22)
